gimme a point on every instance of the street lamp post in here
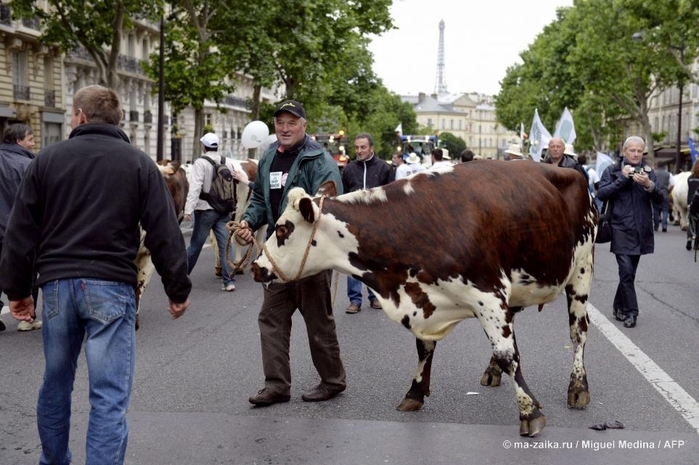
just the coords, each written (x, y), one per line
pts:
(680, 85)
(161, 93)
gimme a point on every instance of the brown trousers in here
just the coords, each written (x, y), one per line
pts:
(311, 296)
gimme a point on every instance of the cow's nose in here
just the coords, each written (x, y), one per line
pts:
(261, 274)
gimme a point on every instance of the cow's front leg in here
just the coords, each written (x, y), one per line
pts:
(500, 331)
(421, 383)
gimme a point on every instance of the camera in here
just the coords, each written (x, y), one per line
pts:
(638, 169)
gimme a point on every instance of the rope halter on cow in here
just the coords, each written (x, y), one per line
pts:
(234, 227)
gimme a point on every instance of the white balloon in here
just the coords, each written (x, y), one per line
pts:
(271, 139)
(254, 134)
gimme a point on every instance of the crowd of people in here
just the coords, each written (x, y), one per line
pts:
(74, 235)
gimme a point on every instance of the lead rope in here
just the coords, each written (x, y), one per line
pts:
(234, 227)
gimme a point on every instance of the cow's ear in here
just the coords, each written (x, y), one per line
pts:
(307, 209)
(328, 188)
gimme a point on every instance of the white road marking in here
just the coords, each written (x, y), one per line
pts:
(680, 399)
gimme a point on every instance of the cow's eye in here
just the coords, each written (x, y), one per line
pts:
(282, 230)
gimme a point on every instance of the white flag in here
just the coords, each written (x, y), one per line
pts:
(565, 128)
(399, 129)
(538, 137)
(603, 162)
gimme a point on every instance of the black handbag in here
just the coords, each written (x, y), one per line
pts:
(604, 226)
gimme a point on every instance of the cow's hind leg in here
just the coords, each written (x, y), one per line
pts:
(421, 383)
(500, 331)
(493, 374)
(577, 293)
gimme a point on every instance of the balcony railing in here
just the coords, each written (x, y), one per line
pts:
(133, 116)
(124, 63)
(129, 64)
(31, 23)
(5, 15)
(22, 92)
(235, 101)
(50, 98)
(148, 117)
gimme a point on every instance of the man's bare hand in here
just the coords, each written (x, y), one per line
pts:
(245, 233)
(241, 176)
(23, 310)
(177, 310)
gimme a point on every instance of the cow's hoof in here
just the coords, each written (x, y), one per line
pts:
(578, 399)
(138, 323)
(217, 271)
(491, 379)
(532, 427)
(410, 405)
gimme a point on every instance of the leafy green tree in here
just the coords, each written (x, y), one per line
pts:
(98, 26)
(454, 144)
(196, 69)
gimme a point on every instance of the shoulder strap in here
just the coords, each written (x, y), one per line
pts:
(213, 163)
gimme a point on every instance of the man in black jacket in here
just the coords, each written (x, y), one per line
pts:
(80, 204)
(365, 172)
(15, 156)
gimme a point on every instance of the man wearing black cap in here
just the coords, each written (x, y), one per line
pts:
(295, 160)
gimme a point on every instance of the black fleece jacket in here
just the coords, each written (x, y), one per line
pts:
(80, 204)
(365, 174)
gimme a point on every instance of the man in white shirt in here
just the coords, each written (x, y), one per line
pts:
(205, 217)
(438, 160)
(402, 169)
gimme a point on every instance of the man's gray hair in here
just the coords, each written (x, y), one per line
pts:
(633, 140)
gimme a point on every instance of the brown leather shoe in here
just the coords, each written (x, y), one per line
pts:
(375, 304)
(353, 308)
(266, 397)
(321, 393)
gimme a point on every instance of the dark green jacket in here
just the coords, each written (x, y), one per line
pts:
(312, 167)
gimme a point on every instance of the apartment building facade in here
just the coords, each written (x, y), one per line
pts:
(468, 116)
(39, 84)
(30, 80)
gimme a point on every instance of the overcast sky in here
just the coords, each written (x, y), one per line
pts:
(482, 38)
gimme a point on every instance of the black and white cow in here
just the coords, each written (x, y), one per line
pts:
(511, 235)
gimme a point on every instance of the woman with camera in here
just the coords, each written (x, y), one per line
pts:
(630, 186)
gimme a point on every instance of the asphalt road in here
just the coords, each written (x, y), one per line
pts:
(194, 376)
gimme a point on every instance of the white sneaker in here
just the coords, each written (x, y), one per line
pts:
(228, 288)
(27, 326)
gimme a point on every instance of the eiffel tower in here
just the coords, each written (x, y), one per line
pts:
(440, 84)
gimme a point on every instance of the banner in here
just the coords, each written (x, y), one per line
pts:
(538, 137)
(692, 149)
(399, 129)
(604, 161)
(565, 128)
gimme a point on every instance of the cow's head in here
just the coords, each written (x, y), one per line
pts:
(300, 245)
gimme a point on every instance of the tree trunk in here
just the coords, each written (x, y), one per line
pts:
(255, 111)
(198, 132)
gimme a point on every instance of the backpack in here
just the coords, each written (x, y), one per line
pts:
(222, 196)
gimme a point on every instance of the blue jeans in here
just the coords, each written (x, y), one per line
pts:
(105, 311)
(205, 221)
(354, 291)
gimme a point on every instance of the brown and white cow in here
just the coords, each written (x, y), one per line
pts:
(243, 195)
(510, 235)
(176, 182)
